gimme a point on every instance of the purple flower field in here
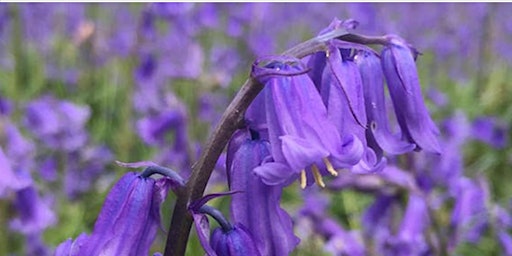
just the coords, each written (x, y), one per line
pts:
(255, 129)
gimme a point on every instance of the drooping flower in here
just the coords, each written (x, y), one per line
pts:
(234, 242)
(300, 134)
(404, 87)
(342, 93)
(378, 132)
(258, 206)
(129, 218)
(227, 240)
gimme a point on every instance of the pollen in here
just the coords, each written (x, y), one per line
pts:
(303, 179)
(329, 166)
(318, 177)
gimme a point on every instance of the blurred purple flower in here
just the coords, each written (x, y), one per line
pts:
(258, 207)
(469, 217)
(84, 167)
(446, 169)
(34, 245)
(211, 106)
(58, 124)
(34, 213)
(404, 87)
(19, 150)
(491, 131)
(48, 169)
(438, 97)
(224, 62)
(377, 221)
(153, 130)
(123, 37)
(10, 180)
(506, 242)
(338, 240)
(182, 57)
(410, 239)
(208, 14)
(5, 107)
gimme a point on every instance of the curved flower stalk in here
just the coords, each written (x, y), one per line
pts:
(258, 206)
(301, 135)
(404, 87)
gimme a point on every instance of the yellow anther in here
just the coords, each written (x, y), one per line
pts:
(330, 169)
(303, 180)
(318, 177)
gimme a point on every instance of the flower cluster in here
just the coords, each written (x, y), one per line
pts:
(329, 146)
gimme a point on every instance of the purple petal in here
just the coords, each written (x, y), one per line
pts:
(236, 242)
(258, 208)
(273, 173)
(127, 223)
(404, 86)
(298, 152)
(373, 81)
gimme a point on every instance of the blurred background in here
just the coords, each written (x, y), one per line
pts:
(83, 85)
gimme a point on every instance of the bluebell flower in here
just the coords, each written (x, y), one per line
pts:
(258, 206)
(380, 138)
(227, 240)
(300, 133)
(404, 87)
(129, 218)
(342, 93)
(234, 242)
